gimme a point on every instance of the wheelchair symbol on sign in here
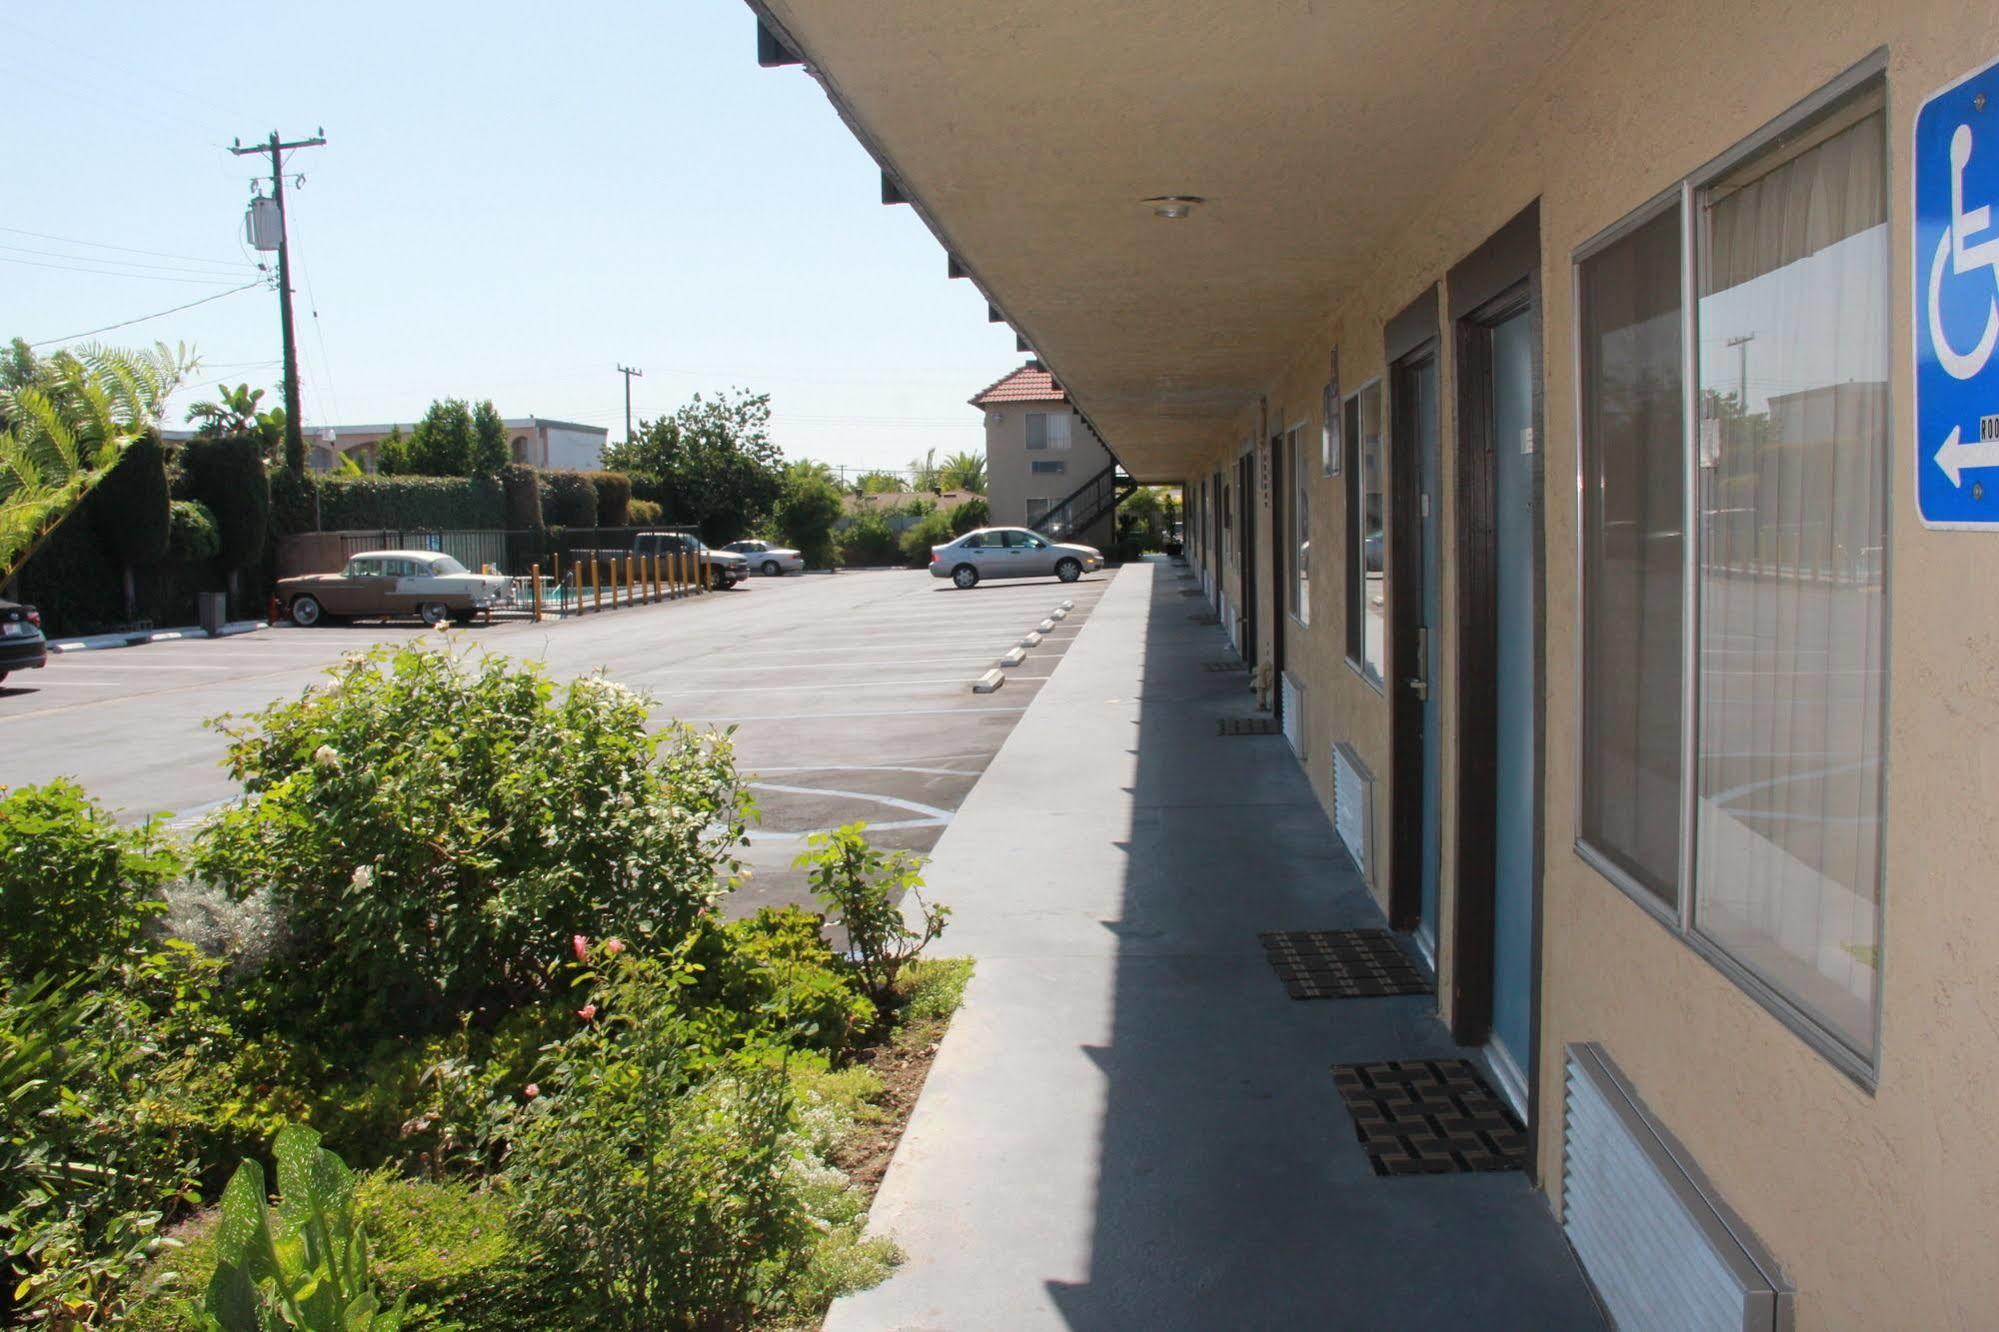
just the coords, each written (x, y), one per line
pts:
(1963, 257)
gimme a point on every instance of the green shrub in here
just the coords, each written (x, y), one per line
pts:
(568, 499)
(523, 490)
(933, 529)
(436, 827)
(970, 516)
(654, 1171)
(438, 503)
(191, 534)
(614, 498)
(807, 510)
(869, 540)
(491, 454)
(304, 1267)
(75, 887)
(129, 506)
(777, 968)
(861, 889)
(227, 474)
(644, 513)
(441, 443)
(87, 1178)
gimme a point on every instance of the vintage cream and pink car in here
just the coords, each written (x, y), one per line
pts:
(392, 583)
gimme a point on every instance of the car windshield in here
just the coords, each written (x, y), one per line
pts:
(445, 564)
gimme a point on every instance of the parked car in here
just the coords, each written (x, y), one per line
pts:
(725, 567)
(768, 559)
(1011, 552)
(22, 646)
(381, 583)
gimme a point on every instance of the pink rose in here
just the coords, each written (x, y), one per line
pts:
(532, 1090)
(582, 947)
(587, 1012)
(614, 946)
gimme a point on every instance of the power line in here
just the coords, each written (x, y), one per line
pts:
(235, 270)
(127, 323)
(114, 273)
(127, 249)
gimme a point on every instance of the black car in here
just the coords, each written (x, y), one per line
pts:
(22, 647)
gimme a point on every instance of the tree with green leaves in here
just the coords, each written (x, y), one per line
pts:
(65, 421)
(441, 444)
(716, 462)
(235, 411)
(878, 483)
(963, 471)
(392, 455)
(490, 452)
(807, 511)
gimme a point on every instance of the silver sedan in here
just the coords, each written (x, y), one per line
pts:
(768, 559)
(1011, 552)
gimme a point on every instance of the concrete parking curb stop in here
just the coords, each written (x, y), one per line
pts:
(1014, 656)
(104, 642)
(988, 682)
(1059, 613)
(1032, 640)
(1045, 626)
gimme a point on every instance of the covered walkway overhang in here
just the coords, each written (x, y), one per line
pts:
(1028, 138)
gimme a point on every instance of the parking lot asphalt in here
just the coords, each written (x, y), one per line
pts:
(851, 695)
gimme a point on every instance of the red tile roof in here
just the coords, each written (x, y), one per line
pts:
(1030, 383)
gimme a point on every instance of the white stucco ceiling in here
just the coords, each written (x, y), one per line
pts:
(1029, 130)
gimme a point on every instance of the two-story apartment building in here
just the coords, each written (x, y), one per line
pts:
(1039, 449)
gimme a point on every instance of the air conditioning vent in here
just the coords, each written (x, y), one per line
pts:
(1661, 1249)
(1353, 808)
(1293, 708)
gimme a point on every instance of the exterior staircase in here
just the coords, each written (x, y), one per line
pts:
(1087, 505)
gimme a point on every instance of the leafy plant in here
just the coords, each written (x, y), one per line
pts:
(74, 885)
(715, 461)
(644, 513)
(933, 529)
(192, 535)
(963, 471)
(776, 969)
(306, 1266)
(64, 423)
(226, 472)
(568, 499)
(869, 540)
(235, 412)
(862, 890)
(436, 826)
(441, 444)
(490, 450)
(971, 515)
(807, 510)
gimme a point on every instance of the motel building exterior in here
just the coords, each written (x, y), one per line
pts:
(1586, 427)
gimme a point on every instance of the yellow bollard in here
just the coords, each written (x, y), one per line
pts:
(631, 582)
(673, 573)
(596, 592)
(701, 572)
(534, 579)
(652, 566)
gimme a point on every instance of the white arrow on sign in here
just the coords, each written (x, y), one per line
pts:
(1955, 456)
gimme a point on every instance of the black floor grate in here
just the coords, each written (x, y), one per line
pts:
(1205, 619)
(1218, 667)
(1343, 964)
(1247, 726)
(1430, 1117)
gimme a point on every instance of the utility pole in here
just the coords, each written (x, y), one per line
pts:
(628, 372)
(1741, 346)
(294, 436)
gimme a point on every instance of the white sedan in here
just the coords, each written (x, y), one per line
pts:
(768, 559)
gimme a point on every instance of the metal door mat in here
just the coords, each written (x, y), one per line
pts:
(1247, 726)
(1205, 619)
(1430, 1117)
(1343, 964)
(1219, 666)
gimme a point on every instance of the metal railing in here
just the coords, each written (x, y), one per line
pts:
(1081, 509)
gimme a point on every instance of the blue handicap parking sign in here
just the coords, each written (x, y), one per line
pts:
(1956, 254)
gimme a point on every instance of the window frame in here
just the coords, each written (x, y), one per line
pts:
(1353, 590)
(1047, 466)
(1678, 920)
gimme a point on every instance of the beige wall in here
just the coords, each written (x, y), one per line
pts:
(1009, 482)
(1883, 1206)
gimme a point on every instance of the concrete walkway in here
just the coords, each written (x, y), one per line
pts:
(1129, 1124)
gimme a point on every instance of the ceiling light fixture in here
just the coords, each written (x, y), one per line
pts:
(1172, 207)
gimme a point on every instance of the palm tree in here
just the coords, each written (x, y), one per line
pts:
(923, 471)
(963, 471)
(64, 423)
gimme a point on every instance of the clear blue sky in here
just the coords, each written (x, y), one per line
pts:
(514, 198)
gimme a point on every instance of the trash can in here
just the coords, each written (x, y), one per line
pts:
(214, 611)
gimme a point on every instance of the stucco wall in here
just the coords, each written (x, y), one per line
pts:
(1879, 1205)
(1009, 481)
(582, 450)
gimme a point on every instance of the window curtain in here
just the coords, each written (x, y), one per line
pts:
(1793, 334)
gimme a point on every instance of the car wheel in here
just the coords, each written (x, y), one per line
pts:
(965, 576)
(307, 612)
(433, 613)
(1069, 571)
(771, 569)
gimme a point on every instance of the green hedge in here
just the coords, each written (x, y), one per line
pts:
(643, 513)
(614, 498)
(129, 507)
(443, 503)
(192, 535)
(523, 487)
(568, 499)
(227, 474)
